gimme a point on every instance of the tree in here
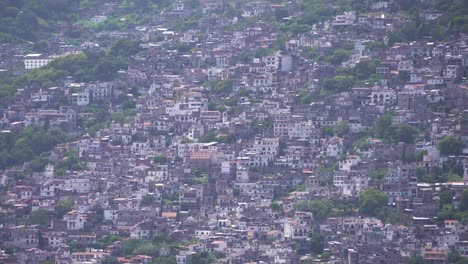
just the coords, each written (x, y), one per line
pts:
(202, 258)
(416, 260)
(339, 83)
(319, 208)
(39, 217)
(316, 243)
(450, 146)
(275, 207)
(147, 200)
(464, 200)
(403, 133)
(382, 125)
(160, 159)
(223, 87)
(63, 207)
(341, 128)
(147, 248)
(378, 174)
(110, 260)
(371, 201)
(165, 260)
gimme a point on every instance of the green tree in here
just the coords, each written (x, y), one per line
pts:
(202, 258)
(317, 243)
(110, 260)
(160, 159)
(320, 209)
(403, 133)
(382, 125)
(63, 207)
(450, 146)
(147, 248)
(464, 200)
(417, 260)
(342, 128)
(339, 83)
(39, 217)
(275, 207)
(379, 174)
(371, 201)
(165, 260)
(224, 87)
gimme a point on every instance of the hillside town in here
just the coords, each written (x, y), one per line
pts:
(237, 136)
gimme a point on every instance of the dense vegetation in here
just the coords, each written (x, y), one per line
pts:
(31, 142)
(454, 21)
(31, 20)
(83, 67)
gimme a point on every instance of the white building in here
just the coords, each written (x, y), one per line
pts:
(75, 220)
(34, 61)
(80, 98)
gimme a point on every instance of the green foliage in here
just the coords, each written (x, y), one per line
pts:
(276, 207)
(320, 209)
(39, 217)
(455, 258)
(403, 133)
(338, 56)
(416, 260)
(186, 141)
(38, 163)
(382, 125)
(105, 241)
(362, 144)
(147, 200)
(31, 20)
(208, 137)
(305, 98)
(151, 248)
(436, 175)
(63, 207)
(83, 67)
(223, 87)
(25, 146)
(315, 11)
(77, 247)
(455, 21)
(317, 243)
(384, 129)
(202, 258)
(203, 179)
(160, 159)
(371, 200)
(165, 260)
(450, 146)
(98, 216)
(379, 174)
(363, 70)
(132, 244)
(328, 131)
(110, 260)
(147, 248)
(393, 217)
(309, 53)
(71, 162)
(464, 200)
(339, 83)
(161, 239)
(341, 129)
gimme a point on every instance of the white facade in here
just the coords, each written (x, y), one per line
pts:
(80, 98)
(34, 61)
